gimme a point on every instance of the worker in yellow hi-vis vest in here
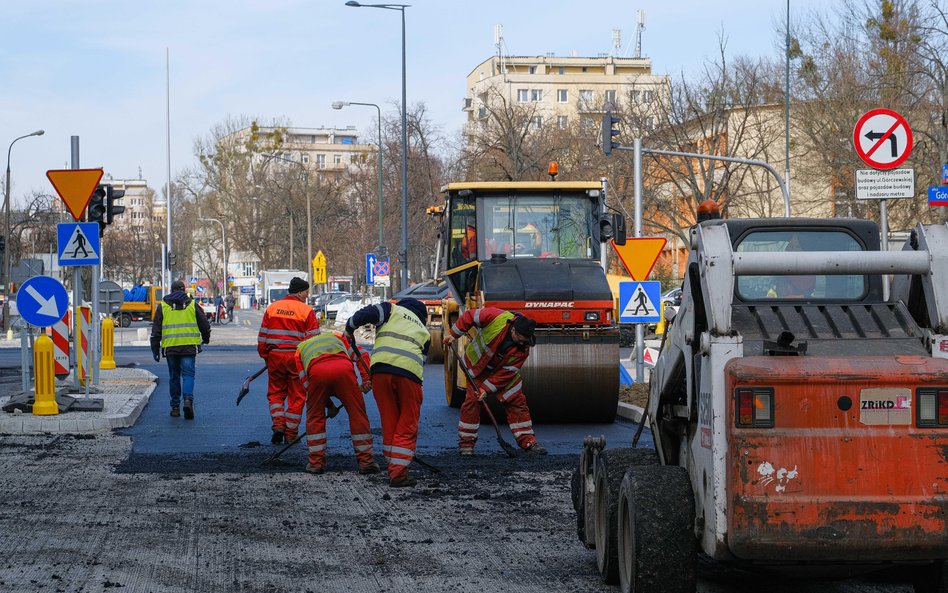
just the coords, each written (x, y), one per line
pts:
(178, 331)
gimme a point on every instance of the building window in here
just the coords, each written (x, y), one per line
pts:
(587, 99)
(588, 124)
(562, 70)
(536, 122)
(320, 161)
(585, 69)
(248, 268)
(337, 159)
(611, 97)
(523, 95)
(562, 121)
(648, 122)
(305, 158)
(536, 95)
(634, 96)
(562, 95)
(648, 96)
(531, 70)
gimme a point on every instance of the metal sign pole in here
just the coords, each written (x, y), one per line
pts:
(884, 216)
(639, 328)
(94, 327)
(76, 279)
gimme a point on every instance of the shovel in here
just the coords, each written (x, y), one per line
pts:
(245, 388)
(276, 455)
(507, 447)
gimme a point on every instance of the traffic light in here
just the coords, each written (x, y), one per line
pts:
(96, 210)
(609, 130)
(3, 243)
(612, 227)
(112, 196)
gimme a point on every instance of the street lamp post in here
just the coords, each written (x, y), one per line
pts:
(309, 219)
(340, 105)
(223, 247)
(9, 243)
(404, 252)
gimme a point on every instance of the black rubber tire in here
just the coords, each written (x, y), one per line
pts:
(580, 499)
(932, 579)
(436, 348)
(125, 320)
(611, 466)
(658, 550)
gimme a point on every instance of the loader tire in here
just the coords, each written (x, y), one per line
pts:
(436, 348)
(611, 466)
(932, 579)
(656, 537)
(582, 500)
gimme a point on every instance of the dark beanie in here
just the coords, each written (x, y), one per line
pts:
(177, 285)
(525, 327)
(416, 307)
(298, 285)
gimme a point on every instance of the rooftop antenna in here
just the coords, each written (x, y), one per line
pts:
(638, 34)
(499, 44)
(617, 42)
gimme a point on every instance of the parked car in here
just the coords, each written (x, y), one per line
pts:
(320, 301)
(672, 298)
(332, 308)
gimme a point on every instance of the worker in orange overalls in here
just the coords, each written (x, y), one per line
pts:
(494, 356)
(286, 323)
(325, 368)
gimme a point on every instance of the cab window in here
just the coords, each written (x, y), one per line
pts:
(800, 287)
(463, 245)
(538, 226)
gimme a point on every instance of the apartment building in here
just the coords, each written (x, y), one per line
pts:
(329, 151)
(564, 90)
(138, 202)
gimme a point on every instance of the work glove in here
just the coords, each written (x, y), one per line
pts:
(482, 395)
(155, 355)
(366, 386)
(448, 338)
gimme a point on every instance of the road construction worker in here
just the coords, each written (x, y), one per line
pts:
(178, 330)
(398, 364)
(494, 357)
(325, 364)
(286, 323)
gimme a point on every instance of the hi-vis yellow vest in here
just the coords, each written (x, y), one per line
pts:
(320, 345)
(480, 345)
(179, 326)
(401, 342)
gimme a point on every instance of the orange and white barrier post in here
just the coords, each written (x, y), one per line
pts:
(83, 329)
(60, 334)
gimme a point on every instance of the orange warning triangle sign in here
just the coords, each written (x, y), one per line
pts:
(639, 256)
(75, 187)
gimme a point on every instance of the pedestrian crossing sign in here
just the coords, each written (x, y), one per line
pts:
(79, 243)
(639, 302)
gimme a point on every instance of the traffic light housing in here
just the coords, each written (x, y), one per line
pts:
(609, 129)
(612, 227)
(112, 196)
(95, 212)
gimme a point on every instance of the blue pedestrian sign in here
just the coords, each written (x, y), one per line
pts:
(78, 243)
(370, 260)
(42, 301)
(639, 302)
(938, 195)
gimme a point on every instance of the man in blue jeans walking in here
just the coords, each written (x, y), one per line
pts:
(178, 331)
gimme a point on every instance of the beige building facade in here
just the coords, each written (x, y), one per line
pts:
(563, 90)
(325, 151)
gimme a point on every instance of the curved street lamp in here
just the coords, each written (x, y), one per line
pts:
(6, 250)
(340, 105)
(403, 256)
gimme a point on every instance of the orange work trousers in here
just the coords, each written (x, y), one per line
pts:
(285, 392)
(515, 406)
(333, 375)
(399, 401)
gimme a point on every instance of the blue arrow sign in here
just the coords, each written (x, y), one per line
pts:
(42, 301)
(78, 243)
(639, 302)
(938, 195)
(370, 260)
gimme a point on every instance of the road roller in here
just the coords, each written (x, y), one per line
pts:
(537, 248)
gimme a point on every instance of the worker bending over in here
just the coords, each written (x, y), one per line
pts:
(286, 323)
(325, 368)
(495, 356)
(398, 364)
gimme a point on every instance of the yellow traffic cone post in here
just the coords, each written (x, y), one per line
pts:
(44, 387)
(108, 345)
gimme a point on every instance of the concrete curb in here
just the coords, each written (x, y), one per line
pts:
(630, 412)
(125, 392)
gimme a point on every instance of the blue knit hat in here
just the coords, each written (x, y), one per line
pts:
(416, 307)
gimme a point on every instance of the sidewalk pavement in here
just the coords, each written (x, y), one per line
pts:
(124, 393)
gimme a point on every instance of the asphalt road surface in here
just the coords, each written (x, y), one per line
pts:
(177, 506)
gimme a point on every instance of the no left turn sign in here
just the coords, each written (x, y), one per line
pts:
(883, 138)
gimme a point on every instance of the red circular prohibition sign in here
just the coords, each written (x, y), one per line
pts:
(882, 140)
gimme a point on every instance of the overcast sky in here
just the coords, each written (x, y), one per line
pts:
(96, 68)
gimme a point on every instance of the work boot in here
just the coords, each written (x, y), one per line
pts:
(534, 449)
(189, 409)
(277, 438)
(369, 468)
(402, 481)
(175, 411)
(466, 451)
(315, 469)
